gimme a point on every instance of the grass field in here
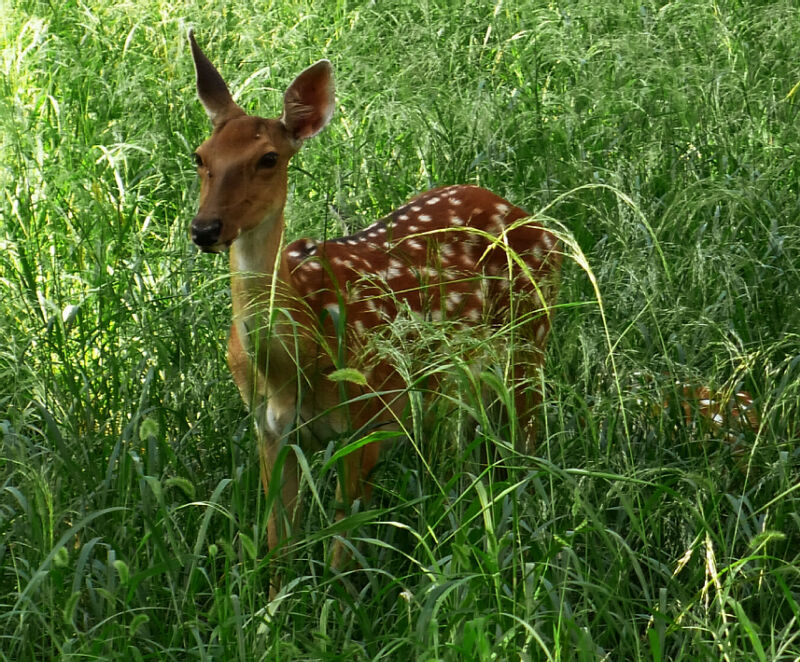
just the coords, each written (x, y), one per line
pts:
(660, 137)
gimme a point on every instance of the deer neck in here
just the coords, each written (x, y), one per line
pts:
(261, 282)
(256, 261)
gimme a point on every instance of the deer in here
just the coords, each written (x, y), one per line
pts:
(302, 312)
(458, 252)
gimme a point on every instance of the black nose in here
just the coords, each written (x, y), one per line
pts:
(205, 231)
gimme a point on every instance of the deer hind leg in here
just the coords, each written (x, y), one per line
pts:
(353, 485)
(285, 512)
(528, 396)
(527, 401)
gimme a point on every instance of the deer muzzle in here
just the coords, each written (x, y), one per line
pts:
(206, 233)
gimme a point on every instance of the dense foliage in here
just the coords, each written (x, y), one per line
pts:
(660, 137)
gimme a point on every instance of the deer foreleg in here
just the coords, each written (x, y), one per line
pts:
(280, 479)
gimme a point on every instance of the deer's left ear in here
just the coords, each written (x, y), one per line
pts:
(309, 101)
(211, 88)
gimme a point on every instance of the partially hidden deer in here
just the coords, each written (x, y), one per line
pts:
(457, 253)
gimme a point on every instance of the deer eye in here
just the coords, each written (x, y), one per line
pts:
(268, 160)
(198, 160)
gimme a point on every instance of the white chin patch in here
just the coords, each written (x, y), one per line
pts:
(216, 248)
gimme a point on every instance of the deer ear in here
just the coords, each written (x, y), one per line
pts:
(211, 88)
(309, 100)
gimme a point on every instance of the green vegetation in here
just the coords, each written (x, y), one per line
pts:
(661, 136)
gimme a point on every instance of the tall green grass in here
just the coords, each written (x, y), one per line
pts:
(661, 137)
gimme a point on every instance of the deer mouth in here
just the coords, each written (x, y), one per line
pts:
(221, 247)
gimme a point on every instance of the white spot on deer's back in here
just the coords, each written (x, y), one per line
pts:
(395, 272)
(474, 314)
(453, 299)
